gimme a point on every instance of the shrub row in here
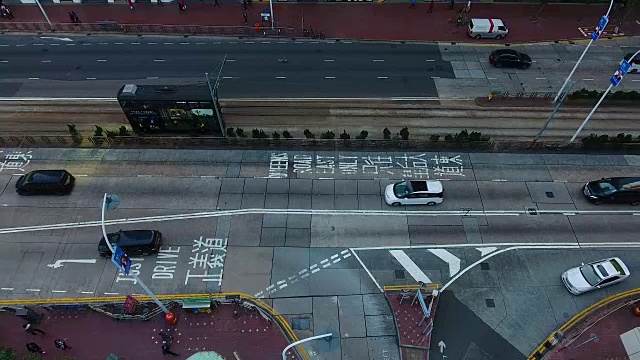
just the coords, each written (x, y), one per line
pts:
(622, 138)
(463, 135)
(596, 94)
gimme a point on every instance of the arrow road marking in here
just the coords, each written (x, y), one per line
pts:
(452, 260)
(410, 266)
(442, 346)
(486, 250)
(55, 38)
(59, 263)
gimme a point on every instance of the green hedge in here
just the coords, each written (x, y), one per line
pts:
(595, 140)
(595, 94)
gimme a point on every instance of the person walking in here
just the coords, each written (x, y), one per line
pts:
(76, 18)
(245, 17)
(451, 5)
(130, 3)
(73, 19)
(216, 3)
(166, 350)
(244, 5)
(31, 329)
(61, 344)
(159, 2)
(413, 4)
(34, 348)
(430, 9)
(181, 6)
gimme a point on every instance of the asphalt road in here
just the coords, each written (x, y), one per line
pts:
(306, 265)
(97, 67)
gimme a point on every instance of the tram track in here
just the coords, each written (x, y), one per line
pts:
(423, 118)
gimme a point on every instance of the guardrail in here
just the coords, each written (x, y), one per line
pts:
(115, 27)
(198, 142)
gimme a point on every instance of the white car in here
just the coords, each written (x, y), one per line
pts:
(414, 192)
(595, 275)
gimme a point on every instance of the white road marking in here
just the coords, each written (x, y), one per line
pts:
(249, 42)
(158, 60)
(184, 43)
(4, 61)
(635, 80)
(35, 290)
(200, 43)
(135, 43)
(103, 43)
(86, 292)
(168, 43)
(378, 60)
(59, 263)
(282, 286)
(119, 43)
(101, 60)
(38, 44)
(152, 77)
(329, 60)
(151, 43)
(587, 79)
(281, 77)
(227, 77)
(87, 44)
(315, 271)
(266, 42)
(541, 78)
(6, 288)
(347, 42)
(499, 180)
(382, 77)
(304, 275)
(230, 60)
(486, 250)
(435, 77)
(91, 78)
(111, 293)
(329, 77)
(449, 258)
(59, 291)
(431, 60)
(410, 266)
(491, 78)
(20, 45)
(4, 44)
(34, 78)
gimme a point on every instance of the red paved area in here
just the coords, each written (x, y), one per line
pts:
(95, 336)
(352, 20)
(607, 324)
(407, 317)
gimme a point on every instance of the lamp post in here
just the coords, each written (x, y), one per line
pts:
(594, 36)
(273, 17)
(110, 202)
(615, 80)
(284, 352)
(44, 13)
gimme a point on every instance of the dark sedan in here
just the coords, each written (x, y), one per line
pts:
(510, 58)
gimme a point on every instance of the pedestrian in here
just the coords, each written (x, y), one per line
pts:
(181, 6)
(159, 2)
(130, 3)
(413, 4)
(244, 5)
(216, 3)
(430, 9)
(31, 329)
(61, 344)
(468, 8)
(451, 5)
(76, 18)
(166, 350)
(250, 2)
(245, 17)
(71, 17)
(34, 348)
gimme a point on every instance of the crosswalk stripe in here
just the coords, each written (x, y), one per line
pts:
(410, 266)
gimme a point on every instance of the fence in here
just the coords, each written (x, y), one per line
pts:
(524, 95)
(142, 142)
(114, 27)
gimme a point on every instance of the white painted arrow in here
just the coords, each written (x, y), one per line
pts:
(55, 38)
(486, 250)
(449, 258)
(442, 346)
(59, 263)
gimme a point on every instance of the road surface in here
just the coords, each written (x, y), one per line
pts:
(97, 66)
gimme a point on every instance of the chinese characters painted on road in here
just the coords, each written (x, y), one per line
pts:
(405, 165)
(14, 160)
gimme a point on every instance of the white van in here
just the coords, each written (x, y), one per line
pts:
(487, 28)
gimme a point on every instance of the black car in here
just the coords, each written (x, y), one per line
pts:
(45, 182)
(133, 242)
(509, 58)
(624, 190)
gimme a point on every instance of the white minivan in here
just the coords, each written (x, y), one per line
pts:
(487, 28)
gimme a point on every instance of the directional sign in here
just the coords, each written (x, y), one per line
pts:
(604, 20)
(442, 346)
(616, 78)
(121, 260)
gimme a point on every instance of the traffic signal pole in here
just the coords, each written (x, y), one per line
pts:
(593, 38)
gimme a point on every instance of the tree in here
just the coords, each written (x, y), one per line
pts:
(8, 354)
(344, 135)
(404, 133)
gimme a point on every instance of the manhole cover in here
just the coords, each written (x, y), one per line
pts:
(399, 274)
(301, 323)
(550, 194)
(490, 303)
(484, 266)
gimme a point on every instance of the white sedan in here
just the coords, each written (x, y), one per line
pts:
(595, 275)
(414, 192)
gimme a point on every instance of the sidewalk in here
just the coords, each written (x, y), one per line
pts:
(353, 21)
(94, 336)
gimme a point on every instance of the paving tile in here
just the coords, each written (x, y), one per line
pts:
(278, 186)
(276, 201)
(300, 186)
(255, 186)
(346, 187)
(272, 237)
(322, 202)
(369, 202)
(375, 304)
(274, 220)
(298, 237)
(297, 305)
(232, 185)
(346, 202)
(368, 187)
(253, 201)
(299, 221)
(229, 201)
(351, 310)
(299, 201)
(323, 187)
(380, 325)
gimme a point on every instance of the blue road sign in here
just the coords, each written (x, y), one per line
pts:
(121, 260)
(604, 20)
(616, 78)
(624, 67)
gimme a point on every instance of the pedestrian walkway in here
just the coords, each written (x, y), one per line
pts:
(249, 334)
(597, 332)
(397, 21)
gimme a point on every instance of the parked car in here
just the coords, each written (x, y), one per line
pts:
(625, 190)
(510, 58)
(414, 192)
(635, 63)
(487, 28)
(45, 182)
(133, 242)
(595, 275)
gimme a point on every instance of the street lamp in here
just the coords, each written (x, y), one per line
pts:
(110, 202)
(284, 352)
(44, 13)
(604, 20)
(272, 17)
(615, 80)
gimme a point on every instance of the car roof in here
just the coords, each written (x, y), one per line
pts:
(506, 51)
(431, 186)
(623, 183)
(612, 266)
(485, 22)
(45, 176)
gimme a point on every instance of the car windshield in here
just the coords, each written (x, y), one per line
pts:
(604, 188)
(590, 274)
(401, 189)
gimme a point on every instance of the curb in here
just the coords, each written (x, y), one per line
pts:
(557, 335)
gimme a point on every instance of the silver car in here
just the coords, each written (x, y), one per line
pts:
(595, 275)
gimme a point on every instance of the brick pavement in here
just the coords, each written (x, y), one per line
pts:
(95, 336)
(348, 20)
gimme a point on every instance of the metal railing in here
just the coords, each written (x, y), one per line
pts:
(186, 142)
(115, 27)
